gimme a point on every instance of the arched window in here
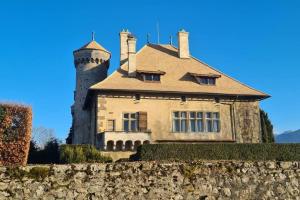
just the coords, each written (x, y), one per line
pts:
(119, 145)
(110, 145)
(128, 145)
(146, 142)
(136, 144)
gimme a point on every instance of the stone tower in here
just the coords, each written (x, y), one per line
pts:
(91, 63)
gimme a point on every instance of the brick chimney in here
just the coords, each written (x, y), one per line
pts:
(131, 56)
(183, 44)
(124, 46)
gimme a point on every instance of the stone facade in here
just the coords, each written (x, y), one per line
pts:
(240, 120)
(153, 83)
(207, 180)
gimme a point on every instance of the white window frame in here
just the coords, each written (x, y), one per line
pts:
(203, 119)
(130, 119)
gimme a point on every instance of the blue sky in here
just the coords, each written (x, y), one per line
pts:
(256, 42)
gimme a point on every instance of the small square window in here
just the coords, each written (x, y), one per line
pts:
(183, 98)
(176, 114)
(126, 115)
(132, 115)
(137, 97)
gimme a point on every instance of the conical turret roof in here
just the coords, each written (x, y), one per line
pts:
(93, 45)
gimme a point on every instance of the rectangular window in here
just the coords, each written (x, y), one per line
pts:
(212, 122)
(111, 125)
(176, 122)
(183, 122)
(207, 80)
(152, 77)
(130, 123)
(200, 127)
(196, 122)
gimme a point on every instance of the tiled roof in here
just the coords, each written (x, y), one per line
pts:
(177, 77)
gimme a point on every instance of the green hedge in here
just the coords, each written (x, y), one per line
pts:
(280, 152)
(81, 154)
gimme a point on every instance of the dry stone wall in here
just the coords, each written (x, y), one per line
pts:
(154, 180)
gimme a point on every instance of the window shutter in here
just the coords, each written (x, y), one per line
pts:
(143, 121)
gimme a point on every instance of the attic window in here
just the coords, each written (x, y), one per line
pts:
(150, 76)
(206, 79)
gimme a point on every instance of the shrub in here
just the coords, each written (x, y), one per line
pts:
(15, 133)
(81, 154)
(39, 172)
(279, 152)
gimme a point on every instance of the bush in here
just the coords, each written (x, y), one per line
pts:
(81, 154)
(15, 133)
(279, 152)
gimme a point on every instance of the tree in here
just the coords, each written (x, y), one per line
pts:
(48, 155)
(267, 135)
(51, 151)
(70, 135)
(42, 135)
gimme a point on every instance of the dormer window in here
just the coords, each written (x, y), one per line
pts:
(206, 79)
(150, 76)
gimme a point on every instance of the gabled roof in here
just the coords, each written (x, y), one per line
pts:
(177, 77)
(93, 45)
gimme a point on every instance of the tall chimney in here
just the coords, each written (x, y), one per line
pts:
(131, 56)
(183, 44)
(123, 46)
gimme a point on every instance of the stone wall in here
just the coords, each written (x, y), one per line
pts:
(155, 180)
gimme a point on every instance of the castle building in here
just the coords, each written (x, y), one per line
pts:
(159, 94)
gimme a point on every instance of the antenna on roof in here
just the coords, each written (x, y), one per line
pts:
(157, 29)
(93, 35)
(171, 40)
(148, 38)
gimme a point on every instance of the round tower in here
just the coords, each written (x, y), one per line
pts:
(91, 63)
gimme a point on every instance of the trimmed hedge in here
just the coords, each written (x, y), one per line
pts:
(279, 152)
(81, 154)
(15, 133)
